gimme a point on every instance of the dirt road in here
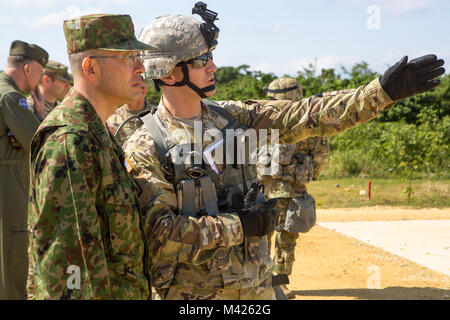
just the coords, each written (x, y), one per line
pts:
(330, 265)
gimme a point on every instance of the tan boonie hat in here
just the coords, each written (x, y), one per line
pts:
(102, 31)
(57, 70)
(32, 51)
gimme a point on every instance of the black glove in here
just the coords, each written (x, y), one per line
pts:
(257, 219)
(405, 79)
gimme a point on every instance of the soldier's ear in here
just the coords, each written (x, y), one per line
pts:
(175, 76)
(46, 79)
(27, 69)
(88, 67)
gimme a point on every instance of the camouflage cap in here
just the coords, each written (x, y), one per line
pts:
(176, 38)
(57, 70)
(285, 89)
(102, 31)
(32, 51)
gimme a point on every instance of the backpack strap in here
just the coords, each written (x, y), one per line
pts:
(161, 146)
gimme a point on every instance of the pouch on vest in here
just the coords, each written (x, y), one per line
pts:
(300, 214)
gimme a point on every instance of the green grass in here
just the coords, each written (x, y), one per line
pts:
(384, 192)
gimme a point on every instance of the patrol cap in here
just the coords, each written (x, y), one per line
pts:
(31, 51)
(57, 70)
(114, 32)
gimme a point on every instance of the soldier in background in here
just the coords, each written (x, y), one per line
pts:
(22, 74)
(84, 223)
(53, 86)
(126, 111)
(298, 164)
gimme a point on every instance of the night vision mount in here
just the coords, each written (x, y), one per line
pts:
(208, 28)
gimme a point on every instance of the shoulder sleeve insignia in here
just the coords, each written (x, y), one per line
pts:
(23, 103)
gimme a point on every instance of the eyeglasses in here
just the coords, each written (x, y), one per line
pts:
(200, 61)
(131, 60)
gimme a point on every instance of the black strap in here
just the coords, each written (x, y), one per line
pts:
(282, 90)
(279, 279)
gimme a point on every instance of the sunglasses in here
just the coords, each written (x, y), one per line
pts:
(200, 61)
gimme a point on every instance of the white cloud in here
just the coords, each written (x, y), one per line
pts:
(58, 18)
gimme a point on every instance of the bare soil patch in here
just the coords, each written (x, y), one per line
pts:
(330, 265)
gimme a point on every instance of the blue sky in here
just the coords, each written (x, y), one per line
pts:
(280, 36)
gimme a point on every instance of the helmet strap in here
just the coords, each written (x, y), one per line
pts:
(185, 81)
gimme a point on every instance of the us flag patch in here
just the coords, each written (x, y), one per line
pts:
(128, 165)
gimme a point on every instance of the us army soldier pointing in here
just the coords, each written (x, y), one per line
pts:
(204, 246)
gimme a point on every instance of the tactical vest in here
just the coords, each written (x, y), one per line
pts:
(200, 188)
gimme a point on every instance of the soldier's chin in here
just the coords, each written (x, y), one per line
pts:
(211, 92)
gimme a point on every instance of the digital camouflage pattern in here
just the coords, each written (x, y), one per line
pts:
(17, 120)
(102, 31)
(119, 116)
(199, 253)
(83, 212)
(175, 38)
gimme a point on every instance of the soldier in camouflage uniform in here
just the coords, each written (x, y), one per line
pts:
(126, 111)
(84, 224)
(53, 86)
(299, 164)
(203, 248)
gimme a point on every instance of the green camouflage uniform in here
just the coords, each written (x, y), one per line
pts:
(198, 258)
(299, 164)
(15, 120)
(84, 220)
(119, 116)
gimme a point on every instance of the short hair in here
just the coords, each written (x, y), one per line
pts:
(75, 60)
(18, 61)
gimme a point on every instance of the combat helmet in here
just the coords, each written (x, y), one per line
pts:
(284, 89)
(176, 39)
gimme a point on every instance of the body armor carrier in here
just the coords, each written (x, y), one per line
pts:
(293, 167)
(200, 189)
